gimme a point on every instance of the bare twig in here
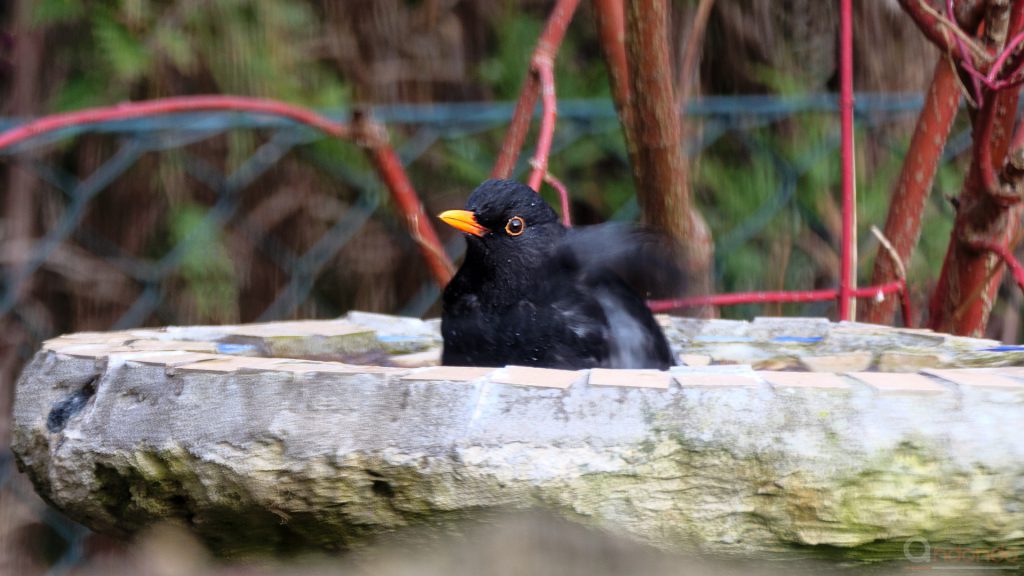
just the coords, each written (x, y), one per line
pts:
(547, 48)
(373, 139)
(970, 94)
(964, 56)
(1008, 258)
(611, 27)
(610, 17)
(941, 31)
(563, 194)
(901, 271)
(549, 106)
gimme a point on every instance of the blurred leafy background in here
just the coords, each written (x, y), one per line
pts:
(330, 56)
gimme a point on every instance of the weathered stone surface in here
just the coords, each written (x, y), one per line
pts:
(273, 454)
(854, 361)
(814, 344)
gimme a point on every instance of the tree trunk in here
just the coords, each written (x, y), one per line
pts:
(971, 275)
(660, 168)
(903, 225)
(18, 207)
(18, 228)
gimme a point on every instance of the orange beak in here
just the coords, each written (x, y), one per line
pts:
(463, 220)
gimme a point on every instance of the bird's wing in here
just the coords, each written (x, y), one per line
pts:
(617, 266)
(596, 320)
(634, 338)
(648, 262)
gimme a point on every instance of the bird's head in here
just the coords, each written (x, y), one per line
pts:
(506, 219)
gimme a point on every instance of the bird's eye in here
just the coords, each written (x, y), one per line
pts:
(515, 226)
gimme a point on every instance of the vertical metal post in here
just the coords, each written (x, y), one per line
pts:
(848, 250)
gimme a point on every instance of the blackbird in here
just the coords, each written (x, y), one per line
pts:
(532, 292)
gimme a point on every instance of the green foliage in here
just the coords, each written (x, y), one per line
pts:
(466, 161)
(141, 48)
(735, 181)
(125, 55)
(577, 75)
(504, 72)
(206, 269)
(47, 12)
(737, 189)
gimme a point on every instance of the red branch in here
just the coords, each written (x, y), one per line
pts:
(908, 318)
(367, 134)
(547, 48)
(997, 68)
(910, 193)
(965, 55)
(997, 78)
(1011, 261)
(563, 195)
(549, 107)
(934, 28)
(947, 35)
(610, 17)
(129, 110)
(982, 151)
(986, 214)
(373, 138)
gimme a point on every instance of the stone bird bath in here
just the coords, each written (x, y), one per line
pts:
(783, 437)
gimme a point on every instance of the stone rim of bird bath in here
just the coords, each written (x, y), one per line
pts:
(255, 428)
(362, 341)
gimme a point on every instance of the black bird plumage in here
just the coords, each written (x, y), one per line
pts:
(532, 292)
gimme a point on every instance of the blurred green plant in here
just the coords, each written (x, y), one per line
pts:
(207, 271)
(579, 74)
(153, 48)
(739, 177)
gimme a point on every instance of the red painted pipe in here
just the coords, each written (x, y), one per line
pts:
(764, 297)
(847, 271)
